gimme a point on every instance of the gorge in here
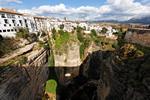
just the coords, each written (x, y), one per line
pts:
(83, 69)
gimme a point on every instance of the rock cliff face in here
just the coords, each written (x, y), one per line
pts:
(19, 83)
(104, 76)
(71, 57)
(138, 36)
(25, 83)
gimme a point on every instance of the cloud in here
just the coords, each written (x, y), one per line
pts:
(112, 9)
(2, 2)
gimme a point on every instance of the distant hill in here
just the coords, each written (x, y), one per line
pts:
(105, 21)
(143, 20)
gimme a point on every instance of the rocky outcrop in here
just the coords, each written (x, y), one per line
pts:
(25, 82)
(139, 36)
(18, 52)
(105, 76)
(71, 57)
(20, 83)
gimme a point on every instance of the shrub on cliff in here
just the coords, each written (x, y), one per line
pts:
(43, 33)
(93, 32)
(54, 33)
(61, 26)
(104, 30)
(7, 45)
(22, 33)
(32, 37)
(61, 39)
(22, 60)
(130, 51)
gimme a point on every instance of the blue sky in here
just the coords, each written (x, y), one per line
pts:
(82, 9)
(33, 3)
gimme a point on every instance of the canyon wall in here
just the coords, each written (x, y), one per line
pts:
(25, 82)
(139, 36)
(105, 76)
(70, 57)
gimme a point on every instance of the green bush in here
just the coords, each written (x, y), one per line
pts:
(82, 49)
(51, 61)
(79, 29)
(7, 45)
(54, 33)
(61, 26)
(46, 46)
(51, 86)
(104, 30)
(32, 37)
(22, 33)
(93, 32)
(23, 60)
(115, 45)
(43, 34)
(62, 39)
(80, 37)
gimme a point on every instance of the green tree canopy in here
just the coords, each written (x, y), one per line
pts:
(93, 32)
(104, 30)
(61, 26)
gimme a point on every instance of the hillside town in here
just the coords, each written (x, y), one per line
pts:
(43, 57)
(11, 21)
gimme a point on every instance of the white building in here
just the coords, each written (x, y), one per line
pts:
(11, 20)
(30, 23)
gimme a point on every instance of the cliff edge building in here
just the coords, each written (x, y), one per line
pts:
(11, 20)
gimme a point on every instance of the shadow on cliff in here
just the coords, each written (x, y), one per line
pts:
(104, 76)
(86, 82)
(101, 76)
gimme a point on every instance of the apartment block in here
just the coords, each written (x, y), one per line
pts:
(11, 21)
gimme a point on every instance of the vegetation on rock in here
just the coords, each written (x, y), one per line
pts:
(22, 33)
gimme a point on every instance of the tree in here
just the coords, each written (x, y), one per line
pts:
(61, 26)
(84, 27)
(32, 37)
(93, 32)
(79, 29)
(43, 33)
(22, 33)
(104, 30)
(54, 33)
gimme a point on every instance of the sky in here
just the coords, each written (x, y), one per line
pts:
(82, 9)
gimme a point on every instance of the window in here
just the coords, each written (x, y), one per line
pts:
(20, 21)
(8, 16)
(4, 30)
(12, 30)
(13, 16)
(6, 21)
(0, 30)
(3, 16)
(9, 24)
(13, 21)
(8, 30)
(15, 29)
(5, 25)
